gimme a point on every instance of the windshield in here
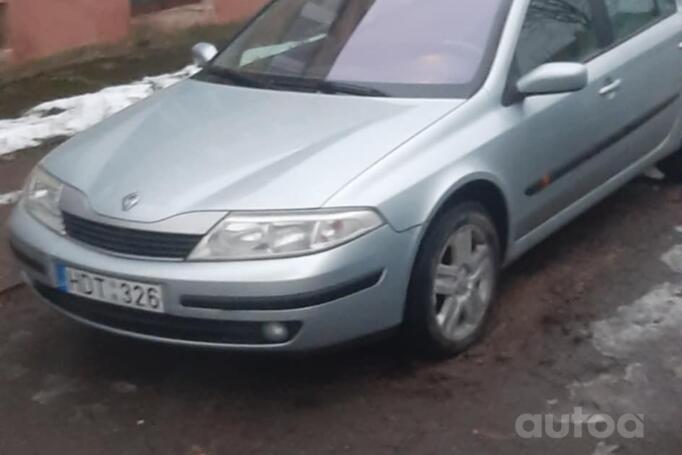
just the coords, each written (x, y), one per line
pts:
(422, 48)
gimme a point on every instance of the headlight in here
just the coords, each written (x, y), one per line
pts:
(41, 198)
(269, 235)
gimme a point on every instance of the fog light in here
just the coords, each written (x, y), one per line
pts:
(275, 332)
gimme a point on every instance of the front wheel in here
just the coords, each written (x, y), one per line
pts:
(453, 282)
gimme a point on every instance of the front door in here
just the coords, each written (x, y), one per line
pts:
(568, 138)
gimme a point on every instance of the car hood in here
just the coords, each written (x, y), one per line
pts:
(199, 146)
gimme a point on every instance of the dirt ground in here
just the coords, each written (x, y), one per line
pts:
(588, 319)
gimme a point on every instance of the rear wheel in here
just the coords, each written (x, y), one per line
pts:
(454, 281)
(672, 166)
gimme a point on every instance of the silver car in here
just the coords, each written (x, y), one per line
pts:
(346, 168)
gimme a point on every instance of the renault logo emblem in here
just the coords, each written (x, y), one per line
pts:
(130, 201)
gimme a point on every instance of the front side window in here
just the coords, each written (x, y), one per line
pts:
(557, 31)
(400, 47)
(628, 17)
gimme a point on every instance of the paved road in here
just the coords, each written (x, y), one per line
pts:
(591, 318)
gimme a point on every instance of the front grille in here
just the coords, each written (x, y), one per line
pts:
(163, 325)
(130, 241)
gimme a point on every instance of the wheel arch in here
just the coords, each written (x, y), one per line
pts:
(477, 189)
(486, 192)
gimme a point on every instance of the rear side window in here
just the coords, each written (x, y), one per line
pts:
(557, 31)
(629, 17)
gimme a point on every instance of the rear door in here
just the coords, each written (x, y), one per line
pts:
(646, 36)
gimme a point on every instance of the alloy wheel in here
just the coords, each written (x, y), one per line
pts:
(464, 284)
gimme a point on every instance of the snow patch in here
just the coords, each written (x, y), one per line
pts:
(644, 337)
(10, 198)
(657, 314)
(68, 116)
(654, 173)
(673, 258)
(605, 449)
(55, 386)
(12, 372)
(619, 392)
(618, 386)
(642, 340)
(674, 364)
(124, 387)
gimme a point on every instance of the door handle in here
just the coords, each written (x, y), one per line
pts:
(679, 46)
(611, 87)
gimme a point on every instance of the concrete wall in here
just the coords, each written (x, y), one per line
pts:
(40, 28)
(229, 10)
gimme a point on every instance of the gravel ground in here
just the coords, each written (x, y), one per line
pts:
(590, 319)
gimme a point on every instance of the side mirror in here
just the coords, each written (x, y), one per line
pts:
(203, 53)
(553, 78)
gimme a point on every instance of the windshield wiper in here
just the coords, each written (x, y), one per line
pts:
(322, 86)
(308, 85)
(237, 77)
(349, 89)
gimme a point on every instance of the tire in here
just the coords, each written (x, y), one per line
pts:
(672, 166)
(438, 321)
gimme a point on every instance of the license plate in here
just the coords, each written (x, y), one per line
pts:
(116, 291)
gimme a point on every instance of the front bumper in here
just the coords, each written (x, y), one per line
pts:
(324, 299)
